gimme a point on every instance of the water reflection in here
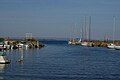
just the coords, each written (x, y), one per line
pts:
(2, 70)
(2, 66)
(21, 56)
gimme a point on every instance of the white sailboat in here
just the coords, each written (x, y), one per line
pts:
(112, 45)
(87, 33)
(74, 41)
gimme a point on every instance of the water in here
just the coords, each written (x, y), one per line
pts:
(60, 61)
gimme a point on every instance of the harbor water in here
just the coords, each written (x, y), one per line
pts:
(60, 61)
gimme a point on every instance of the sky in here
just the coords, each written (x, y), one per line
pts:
(58, 18)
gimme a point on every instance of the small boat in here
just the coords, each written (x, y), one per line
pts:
(20, 45)
(71, 42)
(79, 42)
(3, 58)
(117, 47)
(74, 42)
(84, 43)
(111, 46)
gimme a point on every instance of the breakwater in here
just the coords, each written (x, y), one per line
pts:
(94, 43)
(8, 44)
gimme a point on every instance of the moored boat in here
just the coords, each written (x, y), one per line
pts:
(71, 43)
(3, 58)
(117, 47)
(111, 46)
(74, 42)
(84, 43)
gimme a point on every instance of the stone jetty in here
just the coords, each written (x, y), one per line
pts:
(7, 43)
(94, 43)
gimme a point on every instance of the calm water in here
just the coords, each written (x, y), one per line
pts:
(59, 61)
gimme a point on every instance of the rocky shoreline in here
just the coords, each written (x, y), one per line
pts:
(7, 43)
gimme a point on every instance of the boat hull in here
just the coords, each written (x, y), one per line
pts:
(4, 60)
(111, 47)
(117, 47)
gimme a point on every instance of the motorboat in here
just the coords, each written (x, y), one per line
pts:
(117, 47)
(111, 46)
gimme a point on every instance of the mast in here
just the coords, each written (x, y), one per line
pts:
(114, 25)
(74, 30)
(89, 28)
(85, 35)
(82, 33)
(73, 38)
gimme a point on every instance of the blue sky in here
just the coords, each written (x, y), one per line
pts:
(57, 18)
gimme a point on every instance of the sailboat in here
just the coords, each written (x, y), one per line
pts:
(112, 45)
(74, 41)
(87, 33)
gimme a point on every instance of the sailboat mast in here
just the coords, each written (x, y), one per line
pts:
(82, 33)
(74, 31)
(114, 25)
(85, 35)
(89, 28)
